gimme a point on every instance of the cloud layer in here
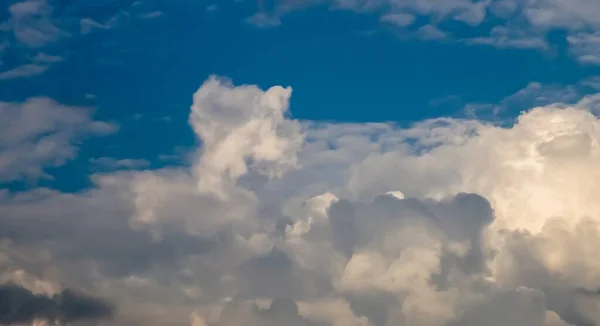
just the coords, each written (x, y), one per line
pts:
(522, 24)
(284, 222)
(19, 306)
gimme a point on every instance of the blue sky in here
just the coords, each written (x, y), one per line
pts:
(299, 162)
(138, 63)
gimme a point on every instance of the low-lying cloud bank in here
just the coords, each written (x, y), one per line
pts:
(19, 306)
(281, 222)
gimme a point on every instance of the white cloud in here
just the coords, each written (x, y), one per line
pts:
(561, 13)
(263, 20)
(234, 133)
(533, 94)
(504, 37)
(40, 132)
(152, 14)
(447, 222)
(522, 24)
(114, 164)
(32, 24)
(88, 25)
(399, 19)
(586, 47)
(26, 70)
(46, 58)
(430, 32)
(40, 63)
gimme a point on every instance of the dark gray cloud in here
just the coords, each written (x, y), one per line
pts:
(281, 311)
(19, 305)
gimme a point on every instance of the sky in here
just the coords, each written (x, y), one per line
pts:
(300, 162)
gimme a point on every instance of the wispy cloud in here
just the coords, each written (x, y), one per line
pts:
(88, 25)
(503, 37)
(115, 164)
(26, 70)
(39, 64)
(263, 20)
(430, 32)
(152, 14)
(46, 58)
(32, 24)
(518, 24)
(400, 19)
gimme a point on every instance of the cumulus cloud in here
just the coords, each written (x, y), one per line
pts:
(282, 222)
(40, 132)
(239, 126)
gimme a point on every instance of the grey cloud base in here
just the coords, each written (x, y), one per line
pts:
(19, 306)
(281, 222)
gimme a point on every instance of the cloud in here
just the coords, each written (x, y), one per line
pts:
(517, 24)
(585, 47)
(31, 23)
(263, 20)
(88, 25)
(40, 63)
(504, 37)
(40, 132)
(430, 32)
(279, 312)
(400, 19)
(533, 95)
(561, 13)
(152, 14)
(46, 58)
(19, 305)
(113, 163)
(26, 70)
(234, 134)
(275, 221)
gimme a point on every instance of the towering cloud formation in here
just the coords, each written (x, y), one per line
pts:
(238, 127)
(280, 222)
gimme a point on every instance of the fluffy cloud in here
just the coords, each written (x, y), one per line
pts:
(40, 132)
(31, 23)
(585, 46)
(281, 222)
